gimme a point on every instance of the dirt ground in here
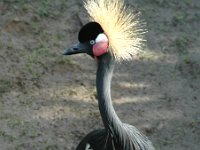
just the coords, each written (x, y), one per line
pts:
(48, 101)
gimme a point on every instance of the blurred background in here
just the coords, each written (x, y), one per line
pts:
(48, 101)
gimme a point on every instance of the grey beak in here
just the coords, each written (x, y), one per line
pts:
(77, 48)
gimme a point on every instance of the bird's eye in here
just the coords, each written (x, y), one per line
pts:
(92, 42)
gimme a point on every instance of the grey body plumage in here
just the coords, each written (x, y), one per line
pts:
(116, 135)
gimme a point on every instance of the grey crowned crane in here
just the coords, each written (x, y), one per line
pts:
(114, 34)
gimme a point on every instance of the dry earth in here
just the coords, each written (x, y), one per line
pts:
(48, 101)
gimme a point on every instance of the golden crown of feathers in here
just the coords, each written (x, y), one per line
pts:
(123, 28)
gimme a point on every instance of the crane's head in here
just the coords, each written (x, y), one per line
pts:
(92, 40)
(114, 29)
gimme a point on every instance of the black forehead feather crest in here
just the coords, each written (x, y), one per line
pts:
(89, 32)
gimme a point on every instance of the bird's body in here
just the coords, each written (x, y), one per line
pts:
(116, 135)
(103, 140)
(114, 34)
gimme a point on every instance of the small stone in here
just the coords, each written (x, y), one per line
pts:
(147, 128)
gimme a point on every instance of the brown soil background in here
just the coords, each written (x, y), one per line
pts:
(48, 101)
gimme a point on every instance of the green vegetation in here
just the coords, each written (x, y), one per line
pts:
(5, 85)
(43, 10)
(182, 43)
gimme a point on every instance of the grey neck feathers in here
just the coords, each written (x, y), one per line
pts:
(110, 119)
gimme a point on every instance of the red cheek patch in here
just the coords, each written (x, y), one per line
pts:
(100, 48)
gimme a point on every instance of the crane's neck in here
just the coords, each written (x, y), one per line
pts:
(110, 119)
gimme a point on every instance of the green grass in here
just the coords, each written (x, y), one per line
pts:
(41, 8)
(14, 1)
(5, 85)
(182, 43)
(188, 67)
(174, 72)
(171, 3)
(179, 19)
(36, 27)
(44, 8)
(6, 136)
(35, 60)
(183, 17)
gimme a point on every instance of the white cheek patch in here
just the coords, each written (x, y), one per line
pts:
(101, 38)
